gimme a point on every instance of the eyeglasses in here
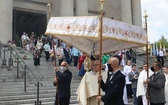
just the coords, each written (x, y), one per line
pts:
(96, 64)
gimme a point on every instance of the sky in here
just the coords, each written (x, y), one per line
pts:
(157, 11)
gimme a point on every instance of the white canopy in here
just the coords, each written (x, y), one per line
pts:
(83, 33)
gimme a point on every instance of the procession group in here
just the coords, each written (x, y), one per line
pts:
(119, 81)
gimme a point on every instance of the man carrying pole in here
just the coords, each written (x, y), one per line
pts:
(63, 82)
(114, 85)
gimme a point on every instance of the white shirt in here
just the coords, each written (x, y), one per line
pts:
(27, 37)
(127, 69)
(106, 67)
(141, 87)
(27, 47)
(161, 53)
(39, 45)
(23, 37)
(113, 73)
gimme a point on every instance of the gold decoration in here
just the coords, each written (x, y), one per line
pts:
(87, 64)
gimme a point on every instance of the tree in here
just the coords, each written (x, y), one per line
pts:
(162, 41)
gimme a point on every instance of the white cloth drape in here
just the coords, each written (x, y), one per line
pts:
(141, 87)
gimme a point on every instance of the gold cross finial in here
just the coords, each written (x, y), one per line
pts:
(48, 5)
(101, 4)
(101, 0)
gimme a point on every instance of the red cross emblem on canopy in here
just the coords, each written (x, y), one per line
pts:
(68, 27)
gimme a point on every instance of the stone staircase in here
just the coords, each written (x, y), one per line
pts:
(12, 89)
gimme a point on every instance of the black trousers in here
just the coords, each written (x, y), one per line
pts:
(47, 55)
(139, 100)
(75, 60)
(63, 101)
(162, 60)
(129, 90)
(60, 61)
(36, 61)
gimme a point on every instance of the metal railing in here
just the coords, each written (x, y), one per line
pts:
(20, 63)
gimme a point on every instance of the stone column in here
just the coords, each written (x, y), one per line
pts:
(136, 13)
(55, 8)
(82, 7)
(6, 20)
(126, 15)
(67, 8)
(49, 11)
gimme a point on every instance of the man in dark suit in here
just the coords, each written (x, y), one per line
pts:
(133, 77)
(114, 85)
(156, 84)
(63, 82)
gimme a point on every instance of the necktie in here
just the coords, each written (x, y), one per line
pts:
(154, 76)
(111, 75)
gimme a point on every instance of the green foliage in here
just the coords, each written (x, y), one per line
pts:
(162, 41)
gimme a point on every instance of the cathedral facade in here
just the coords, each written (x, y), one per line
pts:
(19, 16)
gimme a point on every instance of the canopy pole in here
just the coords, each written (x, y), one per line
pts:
(147, 61)
(53, 47)
(49, 9)
(100, 39)
(55, 64)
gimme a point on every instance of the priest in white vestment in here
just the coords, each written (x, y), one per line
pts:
(125, 99)
(166, 84)
(142, 84)
(88, 88)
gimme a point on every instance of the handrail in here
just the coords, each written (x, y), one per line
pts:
(25, 67)
(17, 55)
(25, 64)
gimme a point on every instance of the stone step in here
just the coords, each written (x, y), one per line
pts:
(21, 81)
(12, 93)
(49, 103)
(27, 101)
(31, 96)
(31, 86)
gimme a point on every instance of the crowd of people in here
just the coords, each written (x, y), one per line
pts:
(119, 81)
(42, 43)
